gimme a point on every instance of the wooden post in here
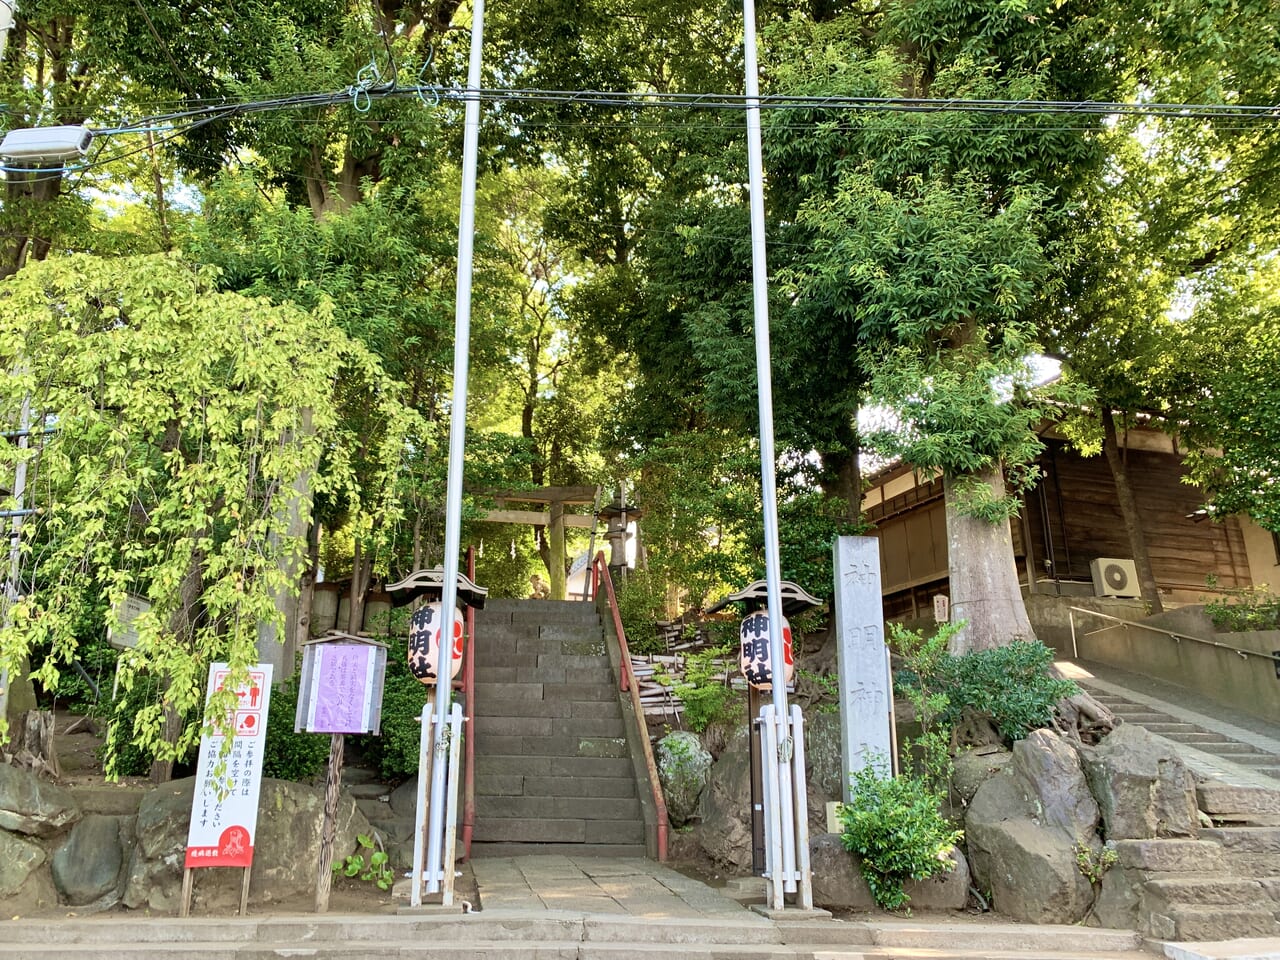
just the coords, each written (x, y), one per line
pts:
(188, 878)
(558, 585)
(329, 826)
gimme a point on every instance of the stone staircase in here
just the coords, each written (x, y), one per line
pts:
(1188, 734)
(553, 770)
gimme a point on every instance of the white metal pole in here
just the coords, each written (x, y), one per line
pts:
(768, 481)
(13, 584)
(457, 442)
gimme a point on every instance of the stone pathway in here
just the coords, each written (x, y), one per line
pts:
(600, 885)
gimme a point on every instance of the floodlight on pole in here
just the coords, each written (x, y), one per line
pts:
(51, 144)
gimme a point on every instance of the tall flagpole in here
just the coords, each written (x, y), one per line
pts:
(457, 443)
(768, 482)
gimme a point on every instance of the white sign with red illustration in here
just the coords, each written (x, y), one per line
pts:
(224, 810)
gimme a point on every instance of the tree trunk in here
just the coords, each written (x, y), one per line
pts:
(985, 591)
(1129, 511)
(844, 479)
(361, 574)
(180, 624)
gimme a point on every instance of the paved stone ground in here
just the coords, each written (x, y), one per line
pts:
(604, 885)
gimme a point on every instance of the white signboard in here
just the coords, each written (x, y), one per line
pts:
(224, 810)
(862, 657)
(125, 635)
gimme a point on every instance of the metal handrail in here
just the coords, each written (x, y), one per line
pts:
(469, 701)
(600, 572)
(1244, 654)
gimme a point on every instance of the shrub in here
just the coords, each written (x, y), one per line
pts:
(642, 602)
(1010, 684)
(395, 751)
(896, 827)
(1253, 608)
(288, 755)
(120, 755)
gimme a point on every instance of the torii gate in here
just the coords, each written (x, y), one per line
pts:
(553, 518)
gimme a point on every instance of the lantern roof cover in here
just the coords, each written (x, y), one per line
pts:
(430, 583)
(795, 599)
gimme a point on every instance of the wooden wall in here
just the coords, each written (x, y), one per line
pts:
(1072, 517)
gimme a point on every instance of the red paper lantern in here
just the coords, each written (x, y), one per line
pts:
(424, 642)
(753, 651)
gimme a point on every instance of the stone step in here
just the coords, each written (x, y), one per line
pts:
(1231, 891)
(482, 850)
(1172, 728)
(519, 786)
(1214, 922)
(605, 767)
(565, 807)
(1264, 840)
(1170, 856)
(562, 745)
(600, 672)
(1229, 800)
(596, 709)
(1143, 718)
(485, 726)
(571, 692)
(563, 830)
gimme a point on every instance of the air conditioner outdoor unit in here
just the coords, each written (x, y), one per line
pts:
(1114, 578)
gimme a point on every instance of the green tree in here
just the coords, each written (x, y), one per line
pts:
(177, 415)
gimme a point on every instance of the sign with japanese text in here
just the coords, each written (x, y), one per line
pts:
(754, 651)
(424, 642)
(224, 809)
(342, 686)
(126, 634)
(862, 658)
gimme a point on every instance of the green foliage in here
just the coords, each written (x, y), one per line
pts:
(1010, 684)
(642, 602)
(926, 691)
(1251, 608)
(896, 827)
(288, 755)
(123, 752)
(1094, 866)
(376, 869)
(704, 690)
(185, 419)
(394, 753)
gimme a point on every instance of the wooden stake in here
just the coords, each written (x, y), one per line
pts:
(188, 878)
(329, 826)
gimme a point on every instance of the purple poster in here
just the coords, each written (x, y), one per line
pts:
(342, 689)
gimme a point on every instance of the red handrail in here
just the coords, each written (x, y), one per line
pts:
(599, 572)
(469, 709)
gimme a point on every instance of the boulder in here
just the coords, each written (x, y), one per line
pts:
(683, 767)
(1051, 766)
(33, 806)
(1030, 870)
(23, 885)
(838, 883)
(1143, 788)
(943, 891)
(286, 846)
(973, 767)
(1028, 866)
(725, 808)
(89, 864)
(823, 755)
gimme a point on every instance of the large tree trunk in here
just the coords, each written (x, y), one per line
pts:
(1129, 511)
(985, 591)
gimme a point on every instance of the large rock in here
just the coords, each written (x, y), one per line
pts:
(943, 891)
(89, 865)
(23, 885)
(823, 755)
(32, 806)
(838, 883)
(1143, 789)
(725, 809)
(1051, 766)
(683, 767)
(1028, 866)
(972, 768)
(286, 846)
